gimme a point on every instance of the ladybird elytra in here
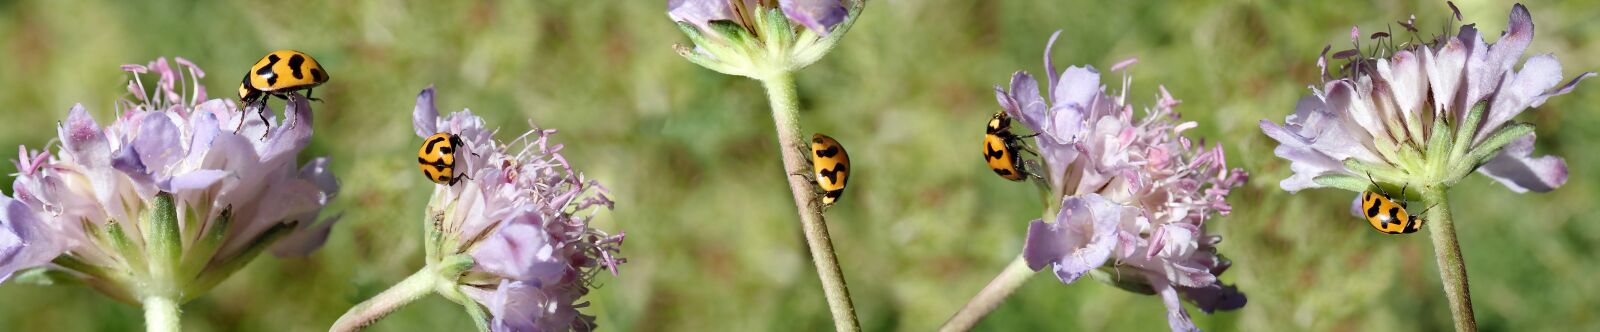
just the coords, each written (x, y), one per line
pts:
(1386, 214)
(1001, 147)
(279, 73)
(830, 165)
(437, 158)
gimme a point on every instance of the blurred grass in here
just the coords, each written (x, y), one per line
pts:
(688, 154)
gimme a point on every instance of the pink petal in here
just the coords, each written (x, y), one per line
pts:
(424, 117)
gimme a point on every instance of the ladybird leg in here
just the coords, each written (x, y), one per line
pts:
(1403, 194)
(1375, 183)
(308, 95)
(1430, 207)
(1028, 135)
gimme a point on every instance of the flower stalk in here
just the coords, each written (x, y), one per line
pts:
(988, 299)
(161, 314)
(785, 115)
(415, 287)
(1452, 269)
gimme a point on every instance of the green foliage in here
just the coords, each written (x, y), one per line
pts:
(689, 154)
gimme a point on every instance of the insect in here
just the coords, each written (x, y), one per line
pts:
(830, 166)
(437, 158)
(1001, 147)
(1386, 214)
(279, 73)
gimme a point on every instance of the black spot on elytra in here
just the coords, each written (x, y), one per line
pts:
(266, 70)
(992, 153)
(316, 75)
(1372, 208)
(430, 146)
(832, 196)
(1003, 172)
(828, 152)
(833, 174)
(443, 178)
(1394, 216)
(295, 62)
(446, 150)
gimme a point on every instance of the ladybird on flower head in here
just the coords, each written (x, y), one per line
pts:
(1426, 114)
(1134, 192)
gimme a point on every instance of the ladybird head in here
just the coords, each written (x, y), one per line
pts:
(1000, 122)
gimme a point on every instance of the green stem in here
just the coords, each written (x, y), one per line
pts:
(1452, 270)
(161, 314)
(1011, 278)
(785, 115)
(413, 288)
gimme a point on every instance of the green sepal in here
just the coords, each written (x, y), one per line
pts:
(45, 277)
(1440, 141)
(195, 259)
(215, 274)
(734, 33)
(1126, 279)
(1490, 147)
(777, 30)
(129, 251)
(1342, 181)
(162, 238)
(1466, 129)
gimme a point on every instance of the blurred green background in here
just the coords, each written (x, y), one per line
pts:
(713, 242)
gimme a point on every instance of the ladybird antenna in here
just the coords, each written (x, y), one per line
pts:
(1374, 182)
(1430, 207)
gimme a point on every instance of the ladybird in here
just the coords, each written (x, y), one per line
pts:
(437, 158)
(279, 73)
(1386, 214)
(830, 165)
(1001, 147)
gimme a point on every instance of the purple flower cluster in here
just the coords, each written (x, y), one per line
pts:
(235, 192)
(523, 216)
(1135, 193)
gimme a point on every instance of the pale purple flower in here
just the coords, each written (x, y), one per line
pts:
(1135, 193)
(820, 16)
(1421, 114)
(84, 206)
(523, 216)
(759, 38)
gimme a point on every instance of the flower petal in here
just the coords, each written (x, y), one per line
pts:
(1080, 240)
(25, 240)
(83, 139)
(817, 15)
(1029, 107)
(1518, 92)
(424, 117)
(698, 12)
(159, 142)
(520, 251)
(1515, 168)
(1177, 318)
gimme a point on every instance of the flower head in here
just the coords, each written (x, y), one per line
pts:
(1135, 193)
(1424, 114)
(522, 216)
(167, 194)
(756, 38)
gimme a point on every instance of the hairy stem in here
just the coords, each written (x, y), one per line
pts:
(161, 314)
(1452, 270)
(413, 288)
(1009, 279)
(785, 115)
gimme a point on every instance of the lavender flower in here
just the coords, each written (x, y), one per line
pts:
(1135, 193)
(523, 219)
(755, 39)
(1424, 114)
(167, 200)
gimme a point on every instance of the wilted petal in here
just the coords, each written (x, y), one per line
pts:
(817, 15)
(1516, 168)
(1215, 297)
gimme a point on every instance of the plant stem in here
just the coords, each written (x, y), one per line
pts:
(161, 314)
(1452, 270)
(1009, 279)
(414, 287)
(785, 115)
